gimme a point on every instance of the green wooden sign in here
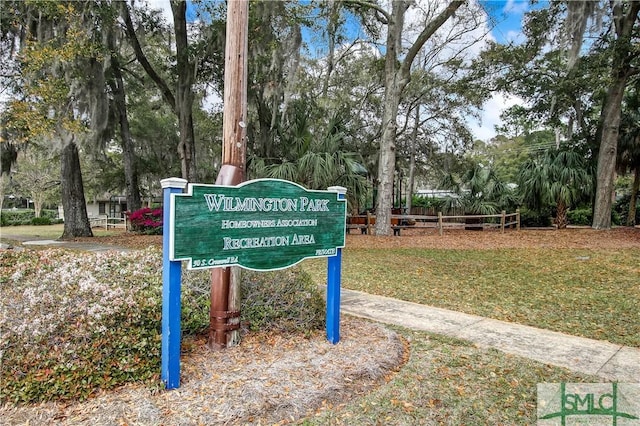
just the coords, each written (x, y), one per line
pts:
(263, 224)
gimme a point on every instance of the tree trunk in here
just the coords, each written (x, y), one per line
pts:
(397, 76)
(38, 202)
(184, 92)
(37, 209)
(332, 25)
(635, 187)
(76, 221)
(393, 87)
(263, 148)
(186, 146)
(182, 102)
(292, 65)
(412, 160)
(610, 121)
(4, 183)
(624, 21)
(561, 215)
(134, 201)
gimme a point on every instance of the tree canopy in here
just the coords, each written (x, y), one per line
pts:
(369, 95)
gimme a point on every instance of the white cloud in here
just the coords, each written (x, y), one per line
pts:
(478, 36)
(516, 7)
(162, 5)
(515, 37)
(471, 43)
(485, 128)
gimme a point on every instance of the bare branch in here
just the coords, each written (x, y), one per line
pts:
(131, 33)
(381, 14)
(428, 31)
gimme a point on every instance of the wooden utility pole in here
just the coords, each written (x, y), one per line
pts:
(225, 282)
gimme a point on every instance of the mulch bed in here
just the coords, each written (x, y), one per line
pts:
(268, 379)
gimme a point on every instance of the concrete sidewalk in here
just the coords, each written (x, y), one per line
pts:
(607, 360)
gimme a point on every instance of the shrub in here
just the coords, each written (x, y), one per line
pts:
(146, 221)
(531, 218)
(51, 214)
(17, 217)
(41, 221)
(26, 216)
(616, 218)
(426, 202)
(287, 301)
(75, 323)
(583, 216)
(621, 209)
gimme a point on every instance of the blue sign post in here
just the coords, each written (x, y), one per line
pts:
(171, 277)
(334, 276)
(323, 222)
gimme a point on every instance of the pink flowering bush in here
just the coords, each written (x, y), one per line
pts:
(146, 221)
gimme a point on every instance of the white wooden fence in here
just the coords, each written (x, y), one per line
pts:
(365, 223)
(107, 222)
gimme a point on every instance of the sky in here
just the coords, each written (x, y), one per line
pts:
(506, 18)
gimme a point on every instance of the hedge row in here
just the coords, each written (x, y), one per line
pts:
(27, 217)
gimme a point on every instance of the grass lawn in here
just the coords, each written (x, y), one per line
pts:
(587, 292)
(583, 292)
(451, 382)
(48, 231)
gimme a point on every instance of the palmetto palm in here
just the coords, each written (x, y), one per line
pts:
(479, 191)
(314, 161)
(558, 177)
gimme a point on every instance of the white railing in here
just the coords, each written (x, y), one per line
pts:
(107, 222)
